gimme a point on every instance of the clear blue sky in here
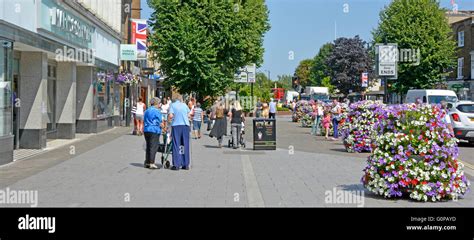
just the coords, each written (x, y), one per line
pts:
(303, 26)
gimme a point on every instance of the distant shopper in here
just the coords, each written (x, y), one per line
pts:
(327, 123)
(152, 130)
(293, 106)
(220, 126)
(265, 110)
(236, 121)
(336, 117)
(318, 115)
(141, 107)
(273, 109)
(259, 108)
(178, 116)
(198, 119)
(447, 118)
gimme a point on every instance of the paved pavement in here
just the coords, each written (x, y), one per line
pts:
(107, 171)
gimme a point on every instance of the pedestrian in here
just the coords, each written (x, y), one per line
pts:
(273, 109)
(265, 110)
(178, 116)
(259, 108)
(293, 105)
(237, 118)
(198, 119)
(220, 125)
(446, 117)
(135, 124)
(318, 114)
(152, 130)
(141, 107)
(336, 117)
(327, 123)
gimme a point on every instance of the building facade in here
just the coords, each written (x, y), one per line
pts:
(58, 61)
(461, 79)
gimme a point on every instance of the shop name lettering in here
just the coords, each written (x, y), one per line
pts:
(37, 223)
(67, 22)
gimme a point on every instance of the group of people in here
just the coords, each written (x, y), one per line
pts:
(327, 116)
(219, 116)
(266, 110)
(162, 118)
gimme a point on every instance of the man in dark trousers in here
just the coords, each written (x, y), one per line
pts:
(178, 115)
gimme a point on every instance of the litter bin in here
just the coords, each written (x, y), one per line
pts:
(264, 134)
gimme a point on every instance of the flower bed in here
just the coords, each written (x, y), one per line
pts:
(415, 155)
(358, 130)
(303, 109)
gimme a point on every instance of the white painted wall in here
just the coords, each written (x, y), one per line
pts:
(20, 12)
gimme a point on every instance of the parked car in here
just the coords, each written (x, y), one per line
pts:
(462, 116)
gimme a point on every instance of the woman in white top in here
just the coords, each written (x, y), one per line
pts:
(141, 107)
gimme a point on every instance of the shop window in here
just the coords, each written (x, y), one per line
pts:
(6, 110)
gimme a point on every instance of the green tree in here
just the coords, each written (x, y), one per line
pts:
(303, 71)
(201, 44)
(284, 81)
(320, 70)
(418, 24)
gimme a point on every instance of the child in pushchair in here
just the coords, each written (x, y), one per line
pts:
(240, 139)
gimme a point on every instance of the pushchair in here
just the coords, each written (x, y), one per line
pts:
(165, 149)
(241, 139)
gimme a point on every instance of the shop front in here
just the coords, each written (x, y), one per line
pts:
(49, 83)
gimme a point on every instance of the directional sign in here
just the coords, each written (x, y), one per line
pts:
(245, 74)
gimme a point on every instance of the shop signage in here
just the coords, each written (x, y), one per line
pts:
(128, 52)
(264, 134)
(65, 24)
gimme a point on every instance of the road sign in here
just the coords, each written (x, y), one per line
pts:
(365, 79)
(387, 58)
(245, 74)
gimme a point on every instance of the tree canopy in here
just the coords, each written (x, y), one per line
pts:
(418, 24)
(201, 44)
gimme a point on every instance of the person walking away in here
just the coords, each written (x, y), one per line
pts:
(327, 123)
(273, 109)
(178, 116)
(135, 124)
(141, 107)
(336, 117)
(220, 126)
(198, 119)
(265, 110)
(153, 124)
(236, 123)
(259, 108)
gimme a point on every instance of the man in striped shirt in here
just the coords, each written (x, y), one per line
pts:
(198, 118)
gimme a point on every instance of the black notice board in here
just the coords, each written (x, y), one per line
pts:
(264, 134)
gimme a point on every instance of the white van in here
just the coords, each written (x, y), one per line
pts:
(431, 96)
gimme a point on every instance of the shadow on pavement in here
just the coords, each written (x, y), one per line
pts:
(212, 146)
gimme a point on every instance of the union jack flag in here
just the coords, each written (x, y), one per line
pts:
(139, 34)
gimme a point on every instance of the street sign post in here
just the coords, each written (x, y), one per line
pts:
(387, 58)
